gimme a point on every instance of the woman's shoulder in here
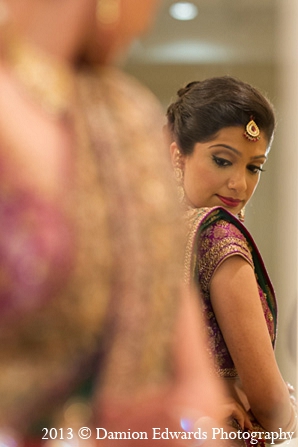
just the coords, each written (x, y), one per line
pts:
(216, 221)
(220, 237)
(213, 234)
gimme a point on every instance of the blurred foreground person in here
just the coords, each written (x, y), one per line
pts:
(95, 329)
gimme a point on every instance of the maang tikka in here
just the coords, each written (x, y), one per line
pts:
(252, 132)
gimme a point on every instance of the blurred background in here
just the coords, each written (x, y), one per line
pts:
(255, 40)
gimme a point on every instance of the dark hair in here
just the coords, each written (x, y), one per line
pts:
(203, 108)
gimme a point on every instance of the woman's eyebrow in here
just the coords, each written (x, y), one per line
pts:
(231, 148)
(226, 146)
(259, 156)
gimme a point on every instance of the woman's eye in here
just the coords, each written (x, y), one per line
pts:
(255, 169)
(221, 161)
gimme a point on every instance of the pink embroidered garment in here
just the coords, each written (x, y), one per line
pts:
(214, 235)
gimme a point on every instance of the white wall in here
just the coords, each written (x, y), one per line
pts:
(286, 182)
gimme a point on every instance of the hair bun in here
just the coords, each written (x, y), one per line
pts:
(182, 91)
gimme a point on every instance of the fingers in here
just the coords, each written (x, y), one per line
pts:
(241, 417)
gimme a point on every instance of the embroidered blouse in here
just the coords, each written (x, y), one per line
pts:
(214, 236)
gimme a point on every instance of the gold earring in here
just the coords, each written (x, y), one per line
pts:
(179, 176)
(108, 12)
(241, 214)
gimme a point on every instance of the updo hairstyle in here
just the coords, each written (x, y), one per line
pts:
(203, 108)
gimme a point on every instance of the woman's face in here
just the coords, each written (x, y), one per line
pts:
(224, 171)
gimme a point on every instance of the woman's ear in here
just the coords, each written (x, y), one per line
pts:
(176, 156)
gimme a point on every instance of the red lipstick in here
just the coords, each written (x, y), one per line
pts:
(229, 201)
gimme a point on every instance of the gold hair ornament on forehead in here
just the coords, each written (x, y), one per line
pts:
(252, 132)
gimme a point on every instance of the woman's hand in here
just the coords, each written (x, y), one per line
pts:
(233, 410)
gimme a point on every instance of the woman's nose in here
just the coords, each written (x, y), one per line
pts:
(237, 182)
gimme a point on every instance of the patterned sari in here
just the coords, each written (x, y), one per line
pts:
(213, 236)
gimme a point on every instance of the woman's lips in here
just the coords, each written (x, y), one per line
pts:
(228, 201)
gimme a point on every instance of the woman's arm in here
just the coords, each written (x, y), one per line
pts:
(194, 370)
(237, 306)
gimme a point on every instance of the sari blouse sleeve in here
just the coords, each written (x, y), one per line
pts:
(218, 241)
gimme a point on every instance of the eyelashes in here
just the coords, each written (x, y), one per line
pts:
(255, 169)
(222, 163)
